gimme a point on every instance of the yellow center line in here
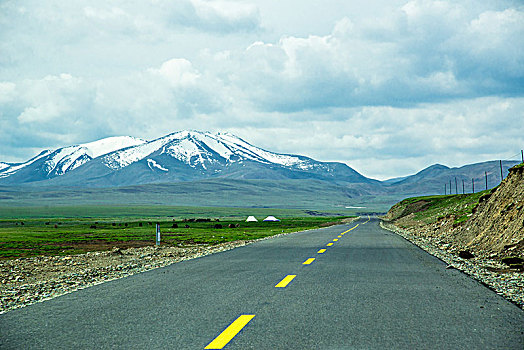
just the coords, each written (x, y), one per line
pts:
(340, 236)
(230, 332)
(308, 261)
(321, 251)
(336, 239)
(285, 281)
(354, 227)
(329, 244)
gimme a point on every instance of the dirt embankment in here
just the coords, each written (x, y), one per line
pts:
(494, 228)
(497, 225)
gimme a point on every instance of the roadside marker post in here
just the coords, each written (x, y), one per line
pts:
(157, 234)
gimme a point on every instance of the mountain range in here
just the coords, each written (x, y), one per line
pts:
(180, 156)
(192, 156)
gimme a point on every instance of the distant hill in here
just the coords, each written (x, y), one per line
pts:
(437, 178)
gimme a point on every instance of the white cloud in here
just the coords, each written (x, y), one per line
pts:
(7, 91)
(64, 108)
(384, 142)
(430, 51)
(211, 15)
(177, 71)
(227, 15)
(371, 86)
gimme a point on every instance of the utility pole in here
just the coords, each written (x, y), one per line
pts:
(501, 176)
(445, 189)
(486, 175)
(522, 155)
(473, 185)
(456, 187)
(449, 186)
(463, 190)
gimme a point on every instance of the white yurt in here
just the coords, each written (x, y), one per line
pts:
(251, 218)
(271, 218)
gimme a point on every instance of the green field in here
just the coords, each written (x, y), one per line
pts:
(154, 212)
(282, 194)
(33, 231)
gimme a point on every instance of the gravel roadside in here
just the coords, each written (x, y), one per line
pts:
(29, 280)
(504, 281)
(26, 281)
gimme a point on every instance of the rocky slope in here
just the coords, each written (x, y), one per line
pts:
(497, 224)
(487, 224)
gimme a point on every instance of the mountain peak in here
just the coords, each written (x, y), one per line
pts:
(109, 144)
(433, 168)
(197, 148)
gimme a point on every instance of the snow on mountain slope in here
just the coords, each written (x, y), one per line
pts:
(259, 154)
(62, 160)
(152, 164)
(122, 158)
(185, 146)
(196, 148)
(16, 167)
(69, 158)
(110, 144)
(183, 155)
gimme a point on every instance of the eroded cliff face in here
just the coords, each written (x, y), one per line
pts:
(495, 227)
(497, 224)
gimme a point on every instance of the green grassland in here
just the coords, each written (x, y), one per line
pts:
(301, 204)
(144, 212)
(26, 232)
(299, 194)
(429, 209)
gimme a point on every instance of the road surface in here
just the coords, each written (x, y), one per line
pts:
(365, 289)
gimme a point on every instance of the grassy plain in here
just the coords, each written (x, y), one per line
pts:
(32, 231)
(300, 194)
(154, 212)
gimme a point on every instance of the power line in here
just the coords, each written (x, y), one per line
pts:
(490, 169)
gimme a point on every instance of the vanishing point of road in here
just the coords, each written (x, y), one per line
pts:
(353, 286)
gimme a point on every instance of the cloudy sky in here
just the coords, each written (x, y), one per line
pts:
(388, 87)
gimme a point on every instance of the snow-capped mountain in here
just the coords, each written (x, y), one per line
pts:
(51, 163)
(180, 156)
(198, 149)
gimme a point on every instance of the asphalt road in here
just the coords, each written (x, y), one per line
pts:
(370, 290)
